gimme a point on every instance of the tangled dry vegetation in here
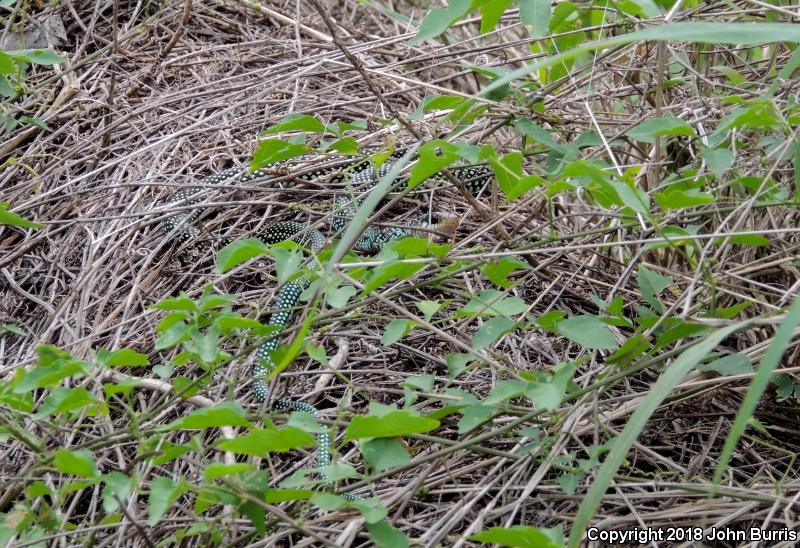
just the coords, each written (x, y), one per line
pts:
(160, 96)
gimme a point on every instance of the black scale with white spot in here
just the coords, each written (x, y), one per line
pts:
(363, 176)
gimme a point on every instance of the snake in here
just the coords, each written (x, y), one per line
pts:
(363, 174)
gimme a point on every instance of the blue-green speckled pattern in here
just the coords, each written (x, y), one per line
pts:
(363, 177)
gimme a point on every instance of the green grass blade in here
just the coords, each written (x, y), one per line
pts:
(672, 375)
(746, 34)
(780, 341)
(359, 220)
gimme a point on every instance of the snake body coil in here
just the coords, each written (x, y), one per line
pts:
(362, 175)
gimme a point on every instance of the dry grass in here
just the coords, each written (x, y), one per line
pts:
(177, 99)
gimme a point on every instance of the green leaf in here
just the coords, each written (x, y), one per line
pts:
(681, 331)
(718, 160)
(754, 240)
(759, 114)
(504, 391)
(317, 353)
(788, 68)
(396, 423)
(536, 13)
(434, 156)
(563, 14)
(491, 11)
(544, 395)
(206, 345)
(337, 297)
(163, 492)
(7, 64)
(218, 470)
(118, 487)
(643, 9)
(9, 218)
(652, 284)
(457, 363)
(213, 300)
(256, 513)
(287, 262)
(651, 128)
(632, 196)
(384, 453)
(768, 190)
(384, 535)
(550, 319)
(730, 312)
(437, 102)
(124, 388)
(588, 331)
(36, 56)
(475, 415)
(183, 302)
(224, 414)
(439, 20)
(346, 145)
(64, 400)
(296, 122)
(413, 246)
(429, 308)
(732, 364)
(261, 441)
(510, 177)
(76, 463)
(185, 386)
(786, 388)
(306, 422)
(54, 366)
(11, 328)
(547, 394)
(124, 357)
(7, 90)
(238, 252)
(389, 271)
(680, 199)
(228, 323)
(518, 536)
(271, 151)
(396, 330)
(20, 402)
(210, 496)
(328, 501)
(341, 127)
(36, 489)
(275, 496)
(338, 471)
(538, 134)
(474, 154)
(172, 336)
(370, 509)
(569, 482)
(492, 330)
(36, 122)
(492, 302)
(734, 77)
(166, 450)
(421, 382)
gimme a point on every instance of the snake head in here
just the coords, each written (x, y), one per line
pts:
(446, 224)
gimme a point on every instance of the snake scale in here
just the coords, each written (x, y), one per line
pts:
(363, 176)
